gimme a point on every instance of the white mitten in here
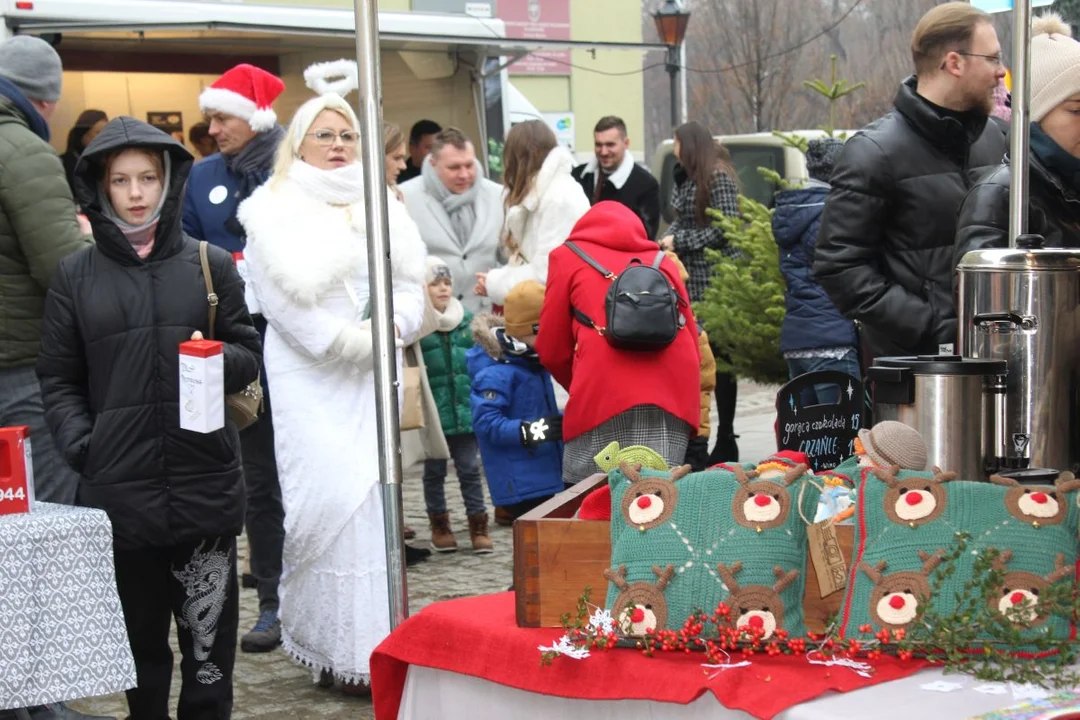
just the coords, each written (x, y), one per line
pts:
(353, 344)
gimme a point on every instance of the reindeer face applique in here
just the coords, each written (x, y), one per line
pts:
(756, 606)
(1038, 505)
(649, 502)
(763, 504)
(894, 601)
(914, 501)
(1021, 590)
(640, 606)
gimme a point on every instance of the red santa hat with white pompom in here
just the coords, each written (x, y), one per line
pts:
(245, 92)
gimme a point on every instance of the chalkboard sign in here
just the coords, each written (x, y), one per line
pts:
(826, 433)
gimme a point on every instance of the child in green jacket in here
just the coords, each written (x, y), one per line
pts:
(444, 355)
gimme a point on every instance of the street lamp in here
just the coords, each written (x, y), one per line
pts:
(671, 21)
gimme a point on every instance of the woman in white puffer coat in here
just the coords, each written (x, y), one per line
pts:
(543, 203)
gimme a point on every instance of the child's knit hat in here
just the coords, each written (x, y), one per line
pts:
(437, 269)
(893, 443)
(522, 308)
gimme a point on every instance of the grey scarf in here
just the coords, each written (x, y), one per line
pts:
(461, 208)
(252, 167)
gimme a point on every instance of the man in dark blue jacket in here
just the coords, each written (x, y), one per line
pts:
(242, 121)
(814, 336)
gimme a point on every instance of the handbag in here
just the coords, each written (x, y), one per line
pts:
(243, 407)
(412, 405)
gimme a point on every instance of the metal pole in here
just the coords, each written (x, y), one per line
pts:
(382, 313)
(673, 68)
(684, 114)
(1021, 120)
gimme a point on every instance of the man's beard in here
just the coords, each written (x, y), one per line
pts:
(983, 102)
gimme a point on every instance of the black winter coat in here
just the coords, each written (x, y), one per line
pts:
(640, 193)
(109, 365)
(885, 249)
(1053, 211)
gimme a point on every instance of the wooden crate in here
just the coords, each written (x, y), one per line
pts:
(556, 557)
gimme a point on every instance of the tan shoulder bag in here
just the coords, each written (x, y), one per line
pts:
(243, 406)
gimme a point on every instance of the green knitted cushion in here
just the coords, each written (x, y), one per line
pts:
(680, 540)
(905, 522)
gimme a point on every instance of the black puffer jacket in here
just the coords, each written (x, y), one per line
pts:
(1053, 210)
(109, 365)
(885, 250)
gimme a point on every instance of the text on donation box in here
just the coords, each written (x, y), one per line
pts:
(16, 471)
(202, 386)
(820, 414)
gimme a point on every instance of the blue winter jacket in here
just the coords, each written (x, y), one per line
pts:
(207, 208)
(811, 320)
(507, 390)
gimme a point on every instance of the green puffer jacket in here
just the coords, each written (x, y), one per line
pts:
(444, 355)
(37, 230)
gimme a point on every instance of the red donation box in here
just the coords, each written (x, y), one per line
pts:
(16, 471)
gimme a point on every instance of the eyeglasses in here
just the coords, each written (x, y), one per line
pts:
(326, 137)
(994, 60)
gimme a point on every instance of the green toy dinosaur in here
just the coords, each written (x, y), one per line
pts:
(610, 457)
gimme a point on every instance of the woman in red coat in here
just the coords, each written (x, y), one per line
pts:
(631, 397)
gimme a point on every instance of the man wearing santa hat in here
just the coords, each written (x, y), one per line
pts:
(242, 121)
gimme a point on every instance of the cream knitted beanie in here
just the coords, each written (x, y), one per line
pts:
(894, 443)
(1055, 64)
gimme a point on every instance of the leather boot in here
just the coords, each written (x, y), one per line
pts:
(503, 517)
(442, 538)
(478, 532)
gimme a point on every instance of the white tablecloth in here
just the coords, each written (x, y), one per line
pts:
(441, 695)
(62, 633)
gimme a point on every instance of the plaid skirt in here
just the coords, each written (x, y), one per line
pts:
(645, 425)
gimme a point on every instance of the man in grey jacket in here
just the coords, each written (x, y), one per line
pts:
(459, 212)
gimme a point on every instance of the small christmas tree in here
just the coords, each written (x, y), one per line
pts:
(743, 307)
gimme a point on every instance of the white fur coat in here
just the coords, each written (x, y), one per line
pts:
(540, 224)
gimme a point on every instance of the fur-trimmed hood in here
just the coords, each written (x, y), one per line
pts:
(482, 325)
(306, 246)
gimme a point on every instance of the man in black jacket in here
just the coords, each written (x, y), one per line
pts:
(885, 250)
(621, 179)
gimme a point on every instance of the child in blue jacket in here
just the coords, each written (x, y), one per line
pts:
(517, 423)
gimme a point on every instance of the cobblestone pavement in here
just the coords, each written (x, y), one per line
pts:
(272, 686)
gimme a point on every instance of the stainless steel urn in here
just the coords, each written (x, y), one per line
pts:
(1022, 305)
(950, 400)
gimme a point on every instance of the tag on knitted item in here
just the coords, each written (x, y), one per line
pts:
(827, 556)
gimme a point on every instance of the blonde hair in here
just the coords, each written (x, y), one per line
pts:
(943, 29)
(289, 150)
(393, 138)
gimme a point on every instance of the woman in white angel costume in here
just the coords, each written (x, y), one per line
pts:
(307, 251)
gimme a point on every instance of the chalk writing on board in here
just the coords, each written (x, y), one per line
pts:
(824, 431)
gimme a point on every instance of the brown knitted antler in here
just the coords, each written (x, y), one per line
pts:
(740, 475)
(631, 471)
(887, 475)
(679, 473)
(930, 561)
(1004, 481)
(795, 473)
(1061, 571)
(663, 577)
(1002, 560)
(873, 572)
(727, 574)
(617, 578)
(783, 579)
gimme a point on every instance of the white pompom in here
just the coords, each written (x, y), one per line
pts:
(340, 77)
(1050, 24)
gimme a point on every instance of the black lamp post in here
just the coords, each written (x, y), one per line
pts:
(671, 21)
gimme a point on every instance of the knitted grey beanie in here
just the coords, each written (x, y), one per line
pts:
(894, 443)
(33, 66)
(821, 155)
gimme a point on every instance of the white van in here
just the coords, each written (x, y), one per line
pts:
(748, 153)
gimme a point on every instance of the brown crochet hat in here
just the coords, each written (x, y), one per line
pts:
(893, 443)
(521, 309)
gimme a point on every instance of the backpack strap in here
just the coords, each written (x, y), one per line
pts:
(208, 280)
(592, 263)
(659, 259)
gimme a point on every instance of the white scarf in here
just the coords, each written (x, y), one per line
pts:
(451, 317)
(340, 186)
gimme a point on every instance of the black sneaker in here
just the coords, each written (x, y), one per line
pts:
(415, 555)
(59, 711)
(265, 636)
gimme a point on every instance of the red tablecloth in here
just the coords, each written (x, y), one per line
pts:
(478, 636)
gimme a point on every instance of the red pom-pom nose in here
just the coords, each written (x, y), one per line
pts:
(637, 615)
(644, 502)
(1040, 498)
(756, 621)
(762, 500)
(913, 498)
(897, 603)
(1016, 598)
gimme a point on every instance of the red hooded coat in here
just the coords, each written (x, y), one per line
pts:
(602, 380)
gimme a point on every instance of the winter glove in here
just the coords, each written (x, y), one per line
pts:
(353, 343)
(546, 429)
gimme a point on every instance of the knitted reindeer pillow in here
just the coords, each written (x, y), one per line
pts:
(683, 542)
(907, 522)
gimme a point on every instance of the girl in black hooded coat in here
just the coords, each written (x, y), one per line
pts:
(109, 368)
